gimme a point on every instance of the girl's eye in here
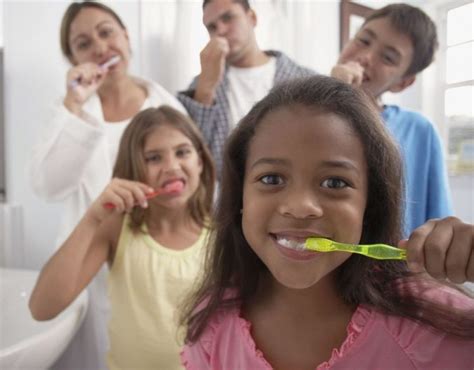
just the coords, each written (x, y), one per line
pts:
(152, 158)
(334, 183)
(271, 180)
(183, 152)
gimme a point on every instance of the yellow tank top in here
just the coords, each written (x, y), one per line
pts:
(146, 284)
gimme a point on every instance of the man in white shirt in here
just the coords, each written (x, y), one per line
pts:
(235, 72)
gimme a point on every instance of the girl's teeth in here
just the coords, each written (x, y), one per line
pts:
(291, 244)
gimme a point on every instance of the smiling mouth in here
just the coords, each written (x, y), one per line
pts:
(290, 243)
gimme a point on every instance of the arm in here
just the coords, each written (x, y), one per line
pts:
(439, 202)
(89, 246)
(204, 116)
(213, 59)
(71, 268)
(70, 140)
(199, 100)
(62, 153)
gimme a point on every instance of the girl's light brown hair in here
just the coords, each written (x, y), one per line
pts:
(71, 13)
(130, 163)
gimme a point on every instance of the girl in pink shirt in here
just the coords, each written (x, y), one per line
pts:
(313, 159)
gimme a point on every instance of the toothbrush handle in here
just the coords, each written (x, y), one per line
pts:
(379, 251)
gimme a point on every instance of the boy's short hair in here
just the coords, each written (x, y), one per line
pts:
(245, 3)
(418, 26)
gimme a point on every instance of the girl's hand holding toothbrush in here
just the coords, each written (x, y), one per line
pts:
(123, 194)
(444, 248)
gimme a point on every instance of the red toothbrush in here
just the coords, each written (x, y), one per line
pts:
(172, 187)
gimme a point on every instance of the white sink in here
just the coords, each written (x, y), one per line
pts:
(24, 342)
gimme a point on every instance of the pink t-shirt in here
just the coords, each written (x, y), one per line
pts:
(374, 341)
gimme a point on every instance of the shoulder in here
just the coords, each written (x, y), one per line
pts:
(424, 345)
(394, 113)
(410, 127)
(226, 343)
(285, 63)
(436, 292)
(158, 94)
(207, 350)
(113, 230)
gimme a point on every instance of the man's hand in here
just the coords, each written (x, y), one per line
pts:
(213, 59)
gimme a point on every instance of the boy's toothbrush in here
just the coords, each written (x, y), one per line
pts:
(173, 187)
(108, 63)
(377, 251)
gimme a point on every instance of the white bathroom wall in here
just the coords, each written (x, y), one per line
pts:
(298, 28)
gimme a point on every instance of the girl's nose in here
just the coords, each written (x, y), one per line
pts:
(171, 163)
(300, 204)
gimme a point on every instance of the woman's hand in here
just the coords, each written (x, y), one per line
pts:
(123, 194)
(444, 248)
(81, 82)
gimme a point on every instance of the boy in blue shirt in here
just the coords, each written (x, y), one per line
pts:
(394, 44)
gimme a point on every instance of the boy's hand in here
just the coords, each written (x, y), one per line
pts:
(444, 248)
(123, 194)
(213, 59)
(350, 72)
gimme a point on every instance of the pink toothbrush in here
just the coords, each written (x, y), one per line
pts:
(172, 187)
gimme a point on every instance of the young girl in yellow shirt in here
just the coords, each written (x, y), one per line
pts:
(153, 244)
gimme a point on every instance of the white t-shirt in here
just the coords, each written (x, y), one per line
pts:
(247, 86)
(114, 131)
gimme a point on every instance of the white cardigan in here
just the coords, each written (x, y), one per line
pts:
(71, 161)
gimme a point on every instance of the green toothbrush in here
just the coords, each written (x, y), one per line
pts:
(377, 251)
